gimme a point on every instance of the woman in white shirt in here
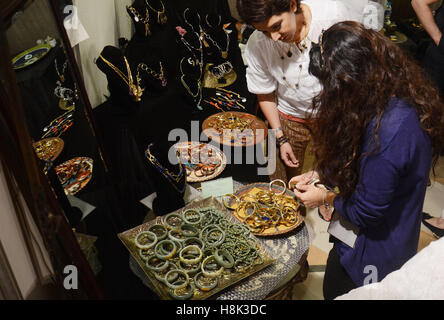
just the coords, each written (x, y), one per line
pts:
(277, 57)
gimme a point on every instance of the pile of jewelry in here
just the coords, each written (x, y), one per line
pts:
(264, 209)
(199, 159)
(75, 174)
(229, 121)
(192, 250)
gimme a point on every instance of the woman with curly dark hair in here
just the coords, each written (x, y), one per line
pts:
(379, 124)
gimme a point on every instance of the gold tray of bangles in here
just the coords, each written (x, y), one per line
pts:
(250, 255)
(202, 161)
(234, 128)
(279, 211)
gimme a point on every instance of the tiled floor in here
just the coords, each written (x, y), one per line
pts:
(311, 288)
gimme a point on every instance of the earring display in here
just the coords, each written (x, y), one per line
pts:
(75, 174)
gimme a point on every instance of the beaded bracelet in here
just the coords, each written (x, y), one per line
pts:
(168, 254)
(281, 140)
(187, 249)
(143, 236)
(213, 284)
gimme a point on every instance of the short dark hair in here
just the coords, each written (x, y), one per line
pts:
(256, 11)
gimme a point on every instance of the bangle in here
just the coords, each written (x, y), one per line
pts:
(142, 237)
(144, 254)
(188, 230)
(190, 261)
(176, 285)
(175, 235)
(195, 241)
(214, 274)
(162, 253)
(211, 286)
(160, 275)
(176, 217)
(220, 258)
(280, 181)
(281, 140)
(190, 269)
(194, 218)
(158, 267)
(188, 294)
(159, 230)
(230, 196)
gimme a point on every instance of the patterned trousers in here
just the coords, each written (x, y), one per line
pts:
(299, 137)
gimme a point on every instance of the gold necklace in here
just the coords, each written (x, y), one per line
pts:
(138, 17)
(199, 87)
(136, 91)
(160, 76)
(296, 85)
(161, 16)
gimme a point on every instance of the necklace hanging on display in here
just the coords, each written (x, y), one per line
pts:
(211, 81)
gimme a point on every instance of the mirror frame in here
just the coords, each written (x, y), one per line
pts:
(19, 158)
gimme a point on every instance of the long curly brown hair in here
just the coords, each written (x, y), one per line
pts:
(360, 71)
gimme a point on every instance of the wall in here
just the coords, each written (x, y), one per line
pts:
(14, 244)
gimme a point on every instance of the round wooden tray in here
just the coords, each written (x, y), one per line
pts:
(280, 229)
(191, 164)
(237, 138)
(75, 174)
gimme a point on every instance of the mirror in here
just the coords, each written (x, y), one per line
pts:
(108, 88)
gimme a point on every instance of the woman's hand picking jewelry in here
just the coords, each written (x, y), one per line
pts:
(305, 178)
(310, 195)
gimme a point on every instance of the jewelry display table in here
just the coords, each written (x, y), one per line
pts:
(273, 282)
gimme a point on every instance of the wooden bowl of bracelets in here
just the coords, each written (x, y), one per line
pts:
(233, 128)
(195, 252)
(202, 161)
(269, 209)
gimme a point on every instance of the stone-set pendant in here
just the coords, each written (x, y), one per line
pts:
(224, 54)
(289, 53)
(147, 30)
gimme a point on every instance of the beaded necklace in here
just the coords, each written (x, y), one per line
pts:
(173, 178)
